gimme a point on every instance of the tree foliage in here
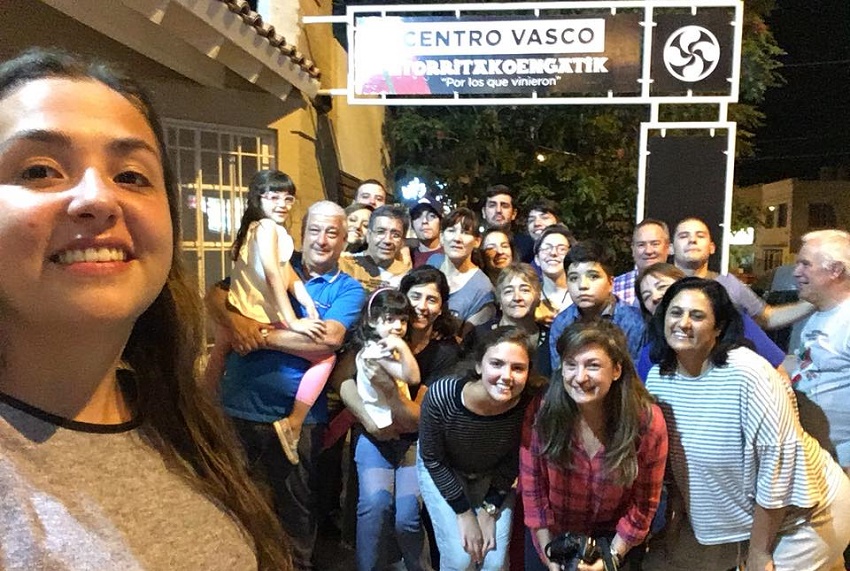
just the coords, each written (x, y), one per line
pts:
(589, 153)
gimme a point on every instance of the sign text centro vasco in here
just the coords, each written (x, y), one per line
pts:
(417, 56)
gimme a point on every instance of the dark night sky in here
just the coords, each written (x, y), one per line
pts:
(808, 119)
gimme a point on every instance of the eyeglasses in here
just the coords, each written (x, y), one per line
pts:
(560, 249)
(276, 197)
(382, 233)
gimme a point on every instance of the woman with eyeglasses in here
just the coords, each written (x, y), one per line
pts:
(550, 249)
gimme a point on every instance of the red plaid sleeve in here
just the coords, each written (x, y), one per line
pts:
(646, 491)
(533, 477)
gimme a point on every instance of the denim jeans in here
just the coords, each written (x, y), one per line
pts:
(292, 487)
(389, 504)
(452, 555)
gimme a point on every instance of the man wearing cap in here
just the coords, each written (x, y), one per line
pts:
(426, 216)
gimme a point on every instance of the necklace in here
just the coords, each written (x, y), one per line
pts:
(549, 301)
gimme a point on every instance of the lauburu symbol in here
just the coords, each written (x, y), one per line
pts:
(691, 53)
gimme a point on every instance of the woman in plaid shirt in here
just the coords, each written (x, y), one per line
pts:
(595, 448)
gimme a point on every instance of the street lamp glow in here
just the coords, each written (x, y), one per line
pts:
(414, 189)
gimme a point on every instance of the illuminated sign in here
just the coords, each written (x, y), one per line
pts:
(622, 51)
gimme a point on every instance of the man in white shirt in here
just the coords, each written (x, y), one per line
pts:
(822, 377)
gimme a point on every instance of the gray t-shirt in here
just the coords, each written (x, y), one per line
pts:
(742, 296)
(75, 496)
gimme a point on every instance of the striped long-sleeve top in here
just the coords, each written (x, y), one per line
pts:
(454, 442)
(735, 440)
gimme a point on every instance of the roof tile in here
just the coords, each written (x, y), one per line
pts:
(253, 19)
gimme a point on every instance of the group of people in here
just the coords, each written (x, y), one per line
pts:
(508, 381)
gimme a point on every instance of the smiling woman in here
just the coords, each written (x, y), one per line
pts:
(598, 425)
(99, 407)
(468, 445)
(738, 453)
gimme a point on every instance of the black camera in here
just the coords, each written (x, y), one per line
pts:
(570, 548)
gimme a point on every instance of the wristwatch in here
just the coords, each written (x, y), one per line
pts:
(491, 510)
(616, 557)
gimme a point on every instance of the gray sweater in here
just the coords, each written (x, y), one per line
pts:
(75, 496)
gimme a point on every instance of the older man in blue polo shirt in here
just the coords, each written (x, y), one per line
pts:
(260, 382)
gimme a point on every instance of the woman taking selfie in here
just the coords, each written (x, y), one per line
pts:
(747, 470)
(594, 461)
(108, 450)
(468, 444)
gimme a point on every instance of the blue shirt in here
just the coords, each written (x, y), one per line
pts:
(261, 385)
(626, 317)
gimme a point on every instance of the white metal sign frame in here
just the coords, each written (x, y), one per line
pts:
(712, 127)
(536, 9)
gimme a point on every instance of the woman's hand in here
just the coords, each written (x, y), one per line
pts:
(759, 561)
(487, 524)
(554, 566)
(470, 535)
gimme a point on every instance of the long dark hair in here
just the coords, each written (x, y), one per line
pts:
(627, 404)
(263, 181)
(726, 318)
(446, 325)
(187, 429)
(383, 303)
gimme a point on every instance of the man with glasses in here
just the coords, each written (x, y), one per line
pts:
(380, 265)
(650, 245)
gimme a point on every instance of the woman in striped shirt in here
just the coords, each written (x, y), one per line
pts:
(746, 469)
(468, 446)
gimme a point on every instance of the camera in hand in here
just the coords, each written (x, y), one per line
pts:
(569, 548)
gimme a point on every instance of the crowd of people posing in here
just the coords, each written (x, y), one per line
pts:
(512, 380)
(507, 395)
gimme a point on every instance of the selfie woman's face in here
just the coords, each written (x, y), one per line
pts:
(85, 229)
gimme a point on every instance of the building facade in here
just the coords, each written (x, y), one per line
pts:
(790, 208)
